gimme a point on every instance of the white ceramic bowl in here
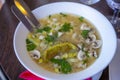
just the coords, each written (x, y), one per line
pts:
(101, 23)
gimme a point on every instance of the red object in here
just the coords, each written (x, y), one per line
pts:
(88, 79)
(26, 75)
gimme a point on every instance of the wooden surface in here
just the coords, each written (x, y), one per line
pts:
(8, 23)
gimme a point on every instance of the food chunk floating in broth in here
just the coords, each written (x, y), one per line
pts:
(64, 43)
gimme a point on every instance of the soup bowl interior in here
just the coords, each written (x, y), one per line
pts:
(104, 27)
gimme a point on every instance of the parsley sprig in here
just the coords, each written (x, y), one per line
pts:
(81, 19)
(51, 38)
(30, 45)
(85, 33)
(46, 29)
(65, 66)
(66, 27)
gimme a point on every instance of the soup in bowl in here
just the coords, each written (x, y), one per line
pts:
(70, 43)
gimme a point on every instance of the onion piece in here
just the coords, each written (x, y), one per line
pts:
(82, 65)
(60, 34)
(84, 26)
(41, 37)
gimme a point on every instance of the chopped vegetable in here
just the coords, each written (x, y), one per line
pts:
(60, 34)
(56, 35)
(71, 55)
(64, 56)
(85, 33)
(51, 38)
(86, 53)
(34, 40)
(30, 45)
(40, 60)
(39, 30)
(81, 19)
(46, 29)
(65, 66)
(28, 41)
(85, 61)
(64, 15)
(41, 37)
(57, 70)
(83, 45)
(49, 16)
(66, 27)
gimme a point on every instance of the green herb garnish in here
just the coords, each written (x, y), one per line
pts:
(85, 33)
(64, 15)
(46, 29)
(87, 53)
(49, 16)
(30, 45)
(55, 34)
(28, 41)
(81, 19)
(85, 61)
(39, 30)
(65, 66)
(66, 27)
(49, 38)
(83, 45)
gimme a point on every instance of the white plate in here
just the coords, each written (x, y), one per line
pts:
(101, 23)
(114, 66)
(97, 76)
